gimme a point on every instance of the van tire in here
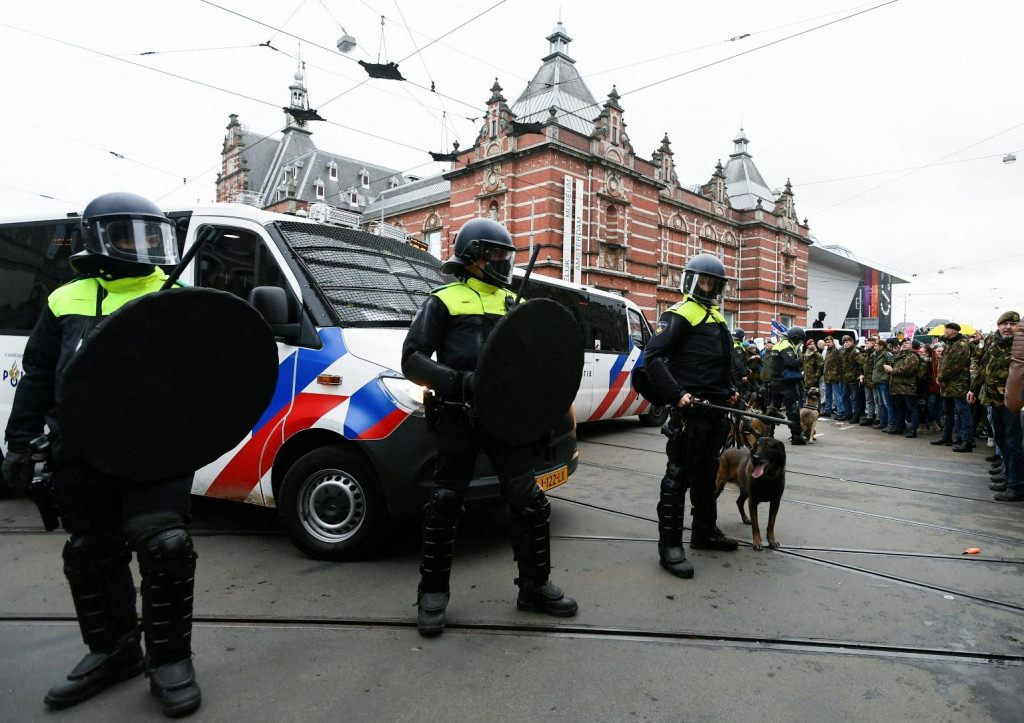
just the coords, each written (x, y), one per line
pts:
(654, 416)
(331, 505)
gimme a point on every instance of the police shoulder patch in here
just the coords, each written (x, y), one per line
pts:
(662, 325)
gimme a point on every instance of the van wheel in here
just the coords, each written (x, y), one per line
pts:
(331, 505)
(654, 416)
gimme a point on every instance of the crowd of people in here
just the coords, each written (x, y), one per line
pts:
(953, 387)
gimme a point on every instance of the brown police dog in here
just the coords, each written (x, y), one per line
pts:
(760, 473)
(809, 414)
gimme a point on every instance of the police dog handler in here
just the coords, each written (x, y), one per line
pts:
(453, 324)
(689, 358)
(124, 238)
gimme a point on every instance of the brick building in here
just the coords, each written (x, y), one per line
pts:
(558, 169)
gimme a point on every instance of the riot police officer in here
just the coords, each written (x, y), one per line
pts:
(688, 358)
(740, 363)
(453, 324)
(124, 237)
(788, 374)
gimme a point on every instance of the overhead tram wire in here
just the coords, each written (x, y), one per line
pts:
(334, 53)
(915, 170)
(205, 85)
(720, 42)
(713, 63)
(802, 184)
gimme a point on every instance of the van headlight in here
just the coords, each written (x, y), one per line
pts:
(405, 394)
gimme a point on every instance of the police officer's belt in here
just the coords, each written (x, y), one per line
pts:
(529, 372)
(168, 383)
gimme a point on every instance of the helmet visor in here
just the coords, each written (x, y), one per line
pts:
(703, 287)
(145, 241)
(498, 262)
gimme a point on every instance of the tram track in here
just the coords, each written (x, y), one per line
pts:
(593, 632)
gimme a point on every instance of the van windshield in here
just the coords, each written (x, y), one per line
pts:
(368, 280)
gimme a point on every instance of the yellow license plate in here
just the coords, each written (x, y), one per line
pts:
(552, 479)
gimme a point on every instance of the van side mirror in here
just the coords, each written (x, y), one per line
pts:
(272, 304)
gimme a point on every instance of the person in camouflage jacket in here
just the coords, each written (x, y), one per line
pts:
(832, 369)
(990, 386)
(954, 381)
(870, 391)
(853, 370)
(885, 408)
(813, 364)
(903, 387)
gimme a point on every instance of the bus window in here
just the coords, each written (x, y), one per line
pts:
(33, 262)
(610, 331)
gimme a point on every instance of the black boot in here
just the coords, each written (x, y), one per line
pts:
(942, 441)
(673, 559)
(867, 421)
(167, 562)
(715, 541)
(103, 593)
(798, 440)
(175, 686)
(963, 447)
(96, 672)
(545, 598)
(671, 515)
(430, 615)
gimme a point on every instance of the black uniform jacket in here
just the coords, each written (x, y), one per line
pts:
(692, 357)
(453, 323)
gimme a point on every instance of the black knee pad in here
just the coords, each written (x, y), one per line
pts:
(443, 508)
(527, 502)
(672, 482)
(84, 554)
(167, 552)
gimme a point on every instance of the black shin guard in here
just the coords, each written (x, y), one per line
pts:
(531, 539)
(168, 566)
(102, 589)
(440, 521)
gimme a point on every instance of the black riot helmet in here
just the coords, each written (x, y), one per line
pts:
(796, 334)
(482, 238)
(704, 279)
(124, 235)
(738, 334)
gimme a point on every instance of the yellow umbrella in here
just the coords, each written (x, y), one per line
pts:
(941, 329)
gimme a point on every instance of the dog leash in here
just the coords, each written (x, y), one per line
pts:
(740, 412)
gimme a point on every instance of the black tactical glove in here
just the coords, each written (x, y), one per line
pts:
(17, 468)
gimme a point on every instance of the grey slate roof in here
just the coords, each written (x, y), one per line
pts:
(557, 83)
(426, 191)
(268, 159)
(743, 182)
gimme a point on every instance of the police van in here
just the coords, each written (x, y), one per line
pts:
(343, 447)
(615, 332)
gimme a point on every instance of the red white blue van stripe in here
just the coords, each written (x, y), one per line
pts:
(368, 413)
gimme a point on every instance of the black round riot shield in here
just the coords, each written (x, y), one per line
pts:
(529, 372)
(168, 383)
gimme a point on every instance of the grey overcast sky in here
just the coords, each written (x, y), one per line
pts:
(891, 118)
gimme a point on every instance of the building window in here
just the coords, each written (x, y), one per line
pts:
(615, 131)
(334, 171)
(786, 321)
(433, 241)
(353, 197)
(319, 188)
(364, 178)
